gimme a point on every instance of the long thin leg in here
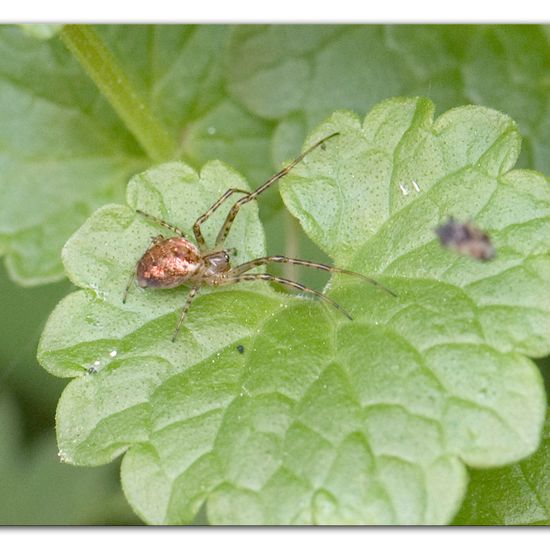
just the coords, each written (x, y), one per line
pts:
(222, 235)
(127, 289)
(237, 270)
(201, 219)
(172, 228)
(286, 282)
(192, 293)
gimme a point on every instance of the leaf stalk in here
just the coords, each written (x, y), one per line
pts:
(104, 69)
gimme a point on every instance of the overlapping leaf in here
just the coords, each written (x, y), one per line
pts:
(319, 420)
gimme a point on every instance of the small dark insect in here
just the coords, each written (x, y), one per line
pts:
(240, 348)
(466, 239)
(175, 261)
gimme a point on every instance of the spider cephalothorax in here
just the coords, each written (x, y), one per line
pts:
(174, 261)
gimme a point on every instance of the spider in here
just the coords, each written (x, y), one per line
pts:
(174, 261)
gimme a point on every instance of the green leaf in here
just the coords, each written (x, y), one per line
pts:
(316, 68)
(319, 420)
(471, 150)
(514, 495)
(63, 154)
(506, 67)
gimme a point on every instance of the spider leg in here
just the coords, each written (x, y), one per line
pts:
(172, 228)
(237, 270)
(287, 282)
(222, 235)
(201, 219)
(128, 285)
(192, 293)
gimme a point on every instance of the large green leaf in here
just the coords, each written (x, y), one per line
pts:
(319, 420)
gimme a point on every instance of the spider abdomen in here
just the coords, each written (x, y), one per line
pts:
(168, 263)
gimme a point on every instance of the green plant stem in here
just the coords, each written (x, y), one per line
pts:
(104, 69)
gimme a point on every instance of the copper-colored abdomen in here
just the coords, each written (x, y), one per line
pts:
(168, 263)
